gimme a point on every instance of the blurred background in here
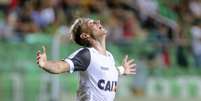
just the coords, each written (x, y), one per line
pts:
(163, 36)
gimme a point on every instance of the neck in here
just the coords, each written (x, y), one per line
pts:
(100, 45)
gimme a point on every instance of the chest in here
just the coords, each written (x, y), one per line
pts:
(103, 67)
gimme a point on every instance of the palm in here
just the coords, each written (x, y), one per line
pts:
(129, 66)
(41, 58)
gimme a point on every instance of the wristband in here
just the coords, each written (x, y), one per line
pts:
(71, 65)
(121, 70)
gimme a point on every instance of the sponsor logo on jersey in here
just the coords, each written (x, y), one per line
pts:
(110, 86)
(104, 68)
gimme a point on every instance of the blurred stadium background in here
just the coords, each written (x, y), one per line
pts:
(163, 36)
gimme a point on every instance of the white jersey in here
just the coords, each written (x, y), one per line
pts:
(98, 74)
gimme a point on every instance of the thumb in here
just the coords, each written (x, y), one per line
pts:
(126, 58)
(44, 49)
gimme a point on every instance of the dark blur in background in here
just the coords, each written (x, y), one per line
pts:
(163, 36)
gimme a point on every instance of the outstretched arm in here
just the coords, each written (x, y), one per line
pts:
(128, 67)
(54, 67)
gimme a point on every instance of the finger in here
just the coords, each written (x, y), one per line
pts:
(44, 49)
(130, 61)
(37, 61)
(132, 70)
(38, 53)
(131, 73)
(125, 58)
(133, 65)
(38, 57)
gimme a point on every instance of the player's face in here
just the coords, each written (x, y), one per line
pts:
(97, 28)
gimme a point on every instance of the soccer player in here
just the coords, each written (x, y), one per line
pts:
(96, 66)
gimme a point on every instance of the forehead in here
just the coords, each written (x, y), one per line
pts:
(90, 21)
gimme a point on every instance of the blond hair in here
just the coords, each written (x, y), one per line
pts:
(78, 27)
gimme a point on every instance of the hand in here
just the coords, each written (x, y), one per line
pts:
(129, 66)
(42, 58)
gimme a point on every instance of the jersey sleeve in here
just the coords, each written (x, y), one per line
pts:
(79, 61)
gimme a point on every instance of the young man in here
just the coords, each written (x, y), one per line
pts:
(96, 66)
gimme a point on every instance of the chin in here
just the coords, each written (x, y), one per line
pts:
(102, 34)
(105, 32)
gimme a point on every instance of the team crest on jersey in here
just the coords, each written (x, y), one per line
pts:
(110, 86)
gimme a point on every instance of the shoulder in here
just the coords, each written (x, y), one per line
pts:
(84, 51)
(81, 51)
(81, 59)
(109, 54)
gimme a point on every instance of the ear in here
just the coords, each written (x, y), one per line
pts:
(84, 36)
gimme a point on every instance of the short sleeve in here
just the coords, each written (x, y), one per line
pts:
(79, 61)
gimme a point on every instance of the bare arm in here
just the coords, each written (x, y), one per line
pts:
(54, 67)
